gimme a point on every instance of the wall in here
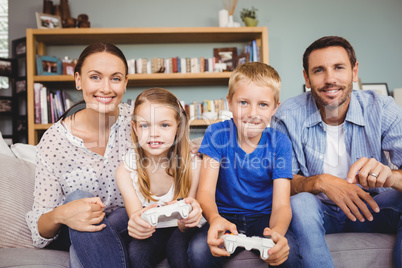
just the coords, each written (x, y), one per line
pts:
(372, 27)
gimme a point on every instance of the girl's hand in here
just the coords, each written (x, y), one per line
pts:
(83, 214)
(138, 228)
(280, 252)
(218, 227)
(195, 215)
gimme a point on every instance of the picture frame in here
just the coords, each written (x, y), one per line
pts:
(47, 65)
(227, 55)
(6, 105)
(68, 68)
(19, 47)
(243, 58)
(47, 21)
(6, 67)
(380, 88)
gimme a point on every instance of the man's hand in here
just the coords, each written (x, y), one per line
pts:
(349, 197)
(370, 173)
(217, 228)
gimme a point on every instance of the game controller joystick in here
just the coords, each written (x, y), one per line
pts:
(178, 210)
(232, 241)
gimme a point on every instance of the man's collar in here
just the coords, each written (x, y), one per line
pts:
(354, 114)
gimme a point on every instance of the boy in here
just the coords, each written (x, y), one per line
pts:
(244, 181)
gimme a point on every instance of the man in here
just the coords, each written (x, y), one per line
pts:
(341, 139)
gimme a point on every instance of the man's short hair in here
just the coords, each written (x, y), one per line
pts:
(329, 41)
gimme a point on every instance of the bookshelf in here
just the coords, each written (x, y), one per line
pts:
(39, 39)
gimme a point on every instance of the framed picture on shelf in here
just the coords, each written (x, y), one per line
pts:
(380, 88)
(47, 21)
(20, 86)
(47, 65)
(243, 58)
(6, 67)
(5, 104)
(227, 55)
(19, 46)
(68, 68)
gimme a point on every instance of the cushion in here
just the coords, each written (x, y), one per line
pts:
(4, 149)
(33, 258)
(24, 151)
(361, 249)
(16, 199)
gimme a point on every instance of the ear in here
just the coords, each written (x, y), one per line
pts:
(306, 79)
(77, 78)
(355, 72)
(276, 108)
(229, 103)
(134, 126)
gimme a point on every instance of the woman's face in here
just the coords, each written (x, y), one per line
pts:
(103, 81)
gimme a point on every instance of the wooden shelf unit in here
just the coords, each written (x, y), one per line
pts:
(39, 39)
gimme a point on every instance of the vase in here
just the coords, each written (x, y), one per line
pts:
(250, 21)
(230, 21)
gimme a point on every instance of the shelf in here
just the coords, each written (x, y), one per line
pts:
(175, 35)
(175, 79)
(39, 39)
(193, 123)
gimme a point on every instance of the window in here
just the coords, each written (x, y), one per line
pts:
(4, 28)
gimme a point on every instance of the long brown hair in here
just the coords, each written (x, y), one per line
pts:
(179, 160)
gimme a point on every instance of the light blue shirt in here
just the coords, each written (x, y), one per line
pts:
(373, 127)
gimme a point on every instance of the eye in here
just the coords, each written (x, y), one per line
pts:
(318, 71)
(264, 105)
(144, 125)
(243, 102)
(165, 125)
(94, 77)
(116, 78)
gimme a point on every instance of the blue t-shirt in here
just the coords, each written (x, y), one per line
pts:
(245, 181)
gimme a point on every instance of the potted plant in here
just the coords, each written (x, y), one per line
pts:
(249, 17)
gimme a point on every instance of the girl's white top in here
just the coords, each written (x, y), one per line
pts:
(65, 165)
(130, 165)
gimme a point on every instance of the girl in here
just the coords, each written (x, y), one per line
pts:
(158, 170)
(76, 196)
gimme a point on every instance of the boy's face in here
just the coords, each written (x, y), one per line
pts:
(252, 107)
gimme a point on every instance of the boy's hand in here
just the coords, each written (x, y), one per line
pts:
(138, 227)
(217, 228)
(195, 215)
(280, 252)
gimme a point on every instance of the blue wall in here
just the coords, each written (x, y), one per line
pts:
(372, 26)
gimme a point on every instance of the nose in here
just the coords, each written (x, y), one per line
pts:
(154, 131)
(106, 88)
(330, 77)
(252, 112)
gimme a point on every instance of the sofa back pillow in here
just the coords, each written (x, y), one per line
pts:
(17, 178)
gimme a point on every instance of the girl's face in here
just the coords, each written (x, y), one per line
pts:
(103, 81)
(156, 127)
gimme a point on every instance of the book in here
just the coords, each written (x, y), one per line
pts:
(37, 97)
(43, 105)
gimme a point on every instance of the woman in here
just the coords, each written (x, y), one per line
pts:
(76, 196)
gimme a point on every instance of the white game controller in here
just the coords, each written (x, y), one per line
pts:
(178, 210)
(232, 241)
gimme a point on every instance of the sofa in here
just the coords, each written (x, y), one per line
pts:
(16, 250)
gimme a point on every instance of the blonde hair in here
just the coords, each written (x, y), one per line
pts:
(260, 74)
(179, 159)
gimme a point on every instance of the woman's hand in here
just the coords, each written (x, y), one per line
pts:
(83, 214)
(138, 228)
(194, 217)
(279, 253)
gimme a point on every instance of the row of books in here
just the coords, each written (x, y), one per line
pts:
(206, 109)
(49, 104)
(171, 65)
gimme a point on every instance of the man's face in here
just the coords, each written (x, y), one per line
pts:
(330, 77)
